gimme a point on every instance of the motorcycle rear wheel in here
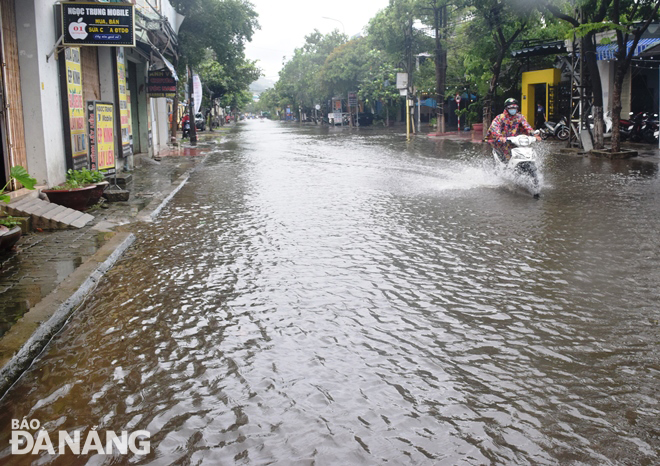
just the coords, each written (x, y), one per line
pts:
(648, 136)
(563, 133)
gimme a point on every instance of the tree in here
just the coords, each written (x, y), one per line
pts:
(299, 83)
(438, 13)
(587, 20)
(625, 17)
(222, 26)
(392, 31)
(378, 82)
(228, 87)
(496, 25)
(344, 68)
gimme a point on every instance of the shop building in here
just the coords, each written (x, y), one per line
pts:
(46, 87)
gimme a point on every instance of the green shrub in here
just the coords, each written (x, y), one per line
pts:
(21, 175)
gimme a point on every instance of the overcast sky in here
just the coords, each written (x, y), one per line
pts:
(285, 23)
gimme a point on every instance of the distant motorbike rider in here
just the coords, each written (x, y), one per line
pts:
(507, 124)
(185, 126)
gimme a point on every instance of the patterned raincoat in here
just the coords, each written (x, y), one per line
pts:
(504, 126)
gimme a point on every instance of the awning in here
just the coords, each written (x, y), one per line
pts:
(545, 48)
(606, 52)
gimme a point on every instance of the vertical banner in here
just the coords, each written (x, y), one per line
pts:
(91, 131)
(76, 107)
(101, 128)
(105, 135)
(197, 94)
(124, 110)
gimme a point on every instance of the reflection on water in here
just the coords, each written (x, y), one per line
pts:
(332, 296)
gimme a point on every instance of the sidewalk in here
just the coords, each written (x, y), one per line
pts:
(46, 277)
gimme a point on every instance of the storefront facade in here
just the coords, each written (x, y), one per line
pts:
(46, 88)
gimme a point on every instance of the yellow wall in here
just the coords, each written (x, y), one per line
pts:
(550, 77)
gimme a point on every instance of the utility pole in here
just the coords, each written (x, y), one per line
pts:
(175, 115)
(191, 109)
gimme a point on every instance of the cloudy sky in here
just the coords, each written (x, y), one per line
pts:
(285, 23)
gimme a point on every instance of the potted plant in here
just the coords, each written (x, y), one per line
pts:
(10, 232)
(81, 189)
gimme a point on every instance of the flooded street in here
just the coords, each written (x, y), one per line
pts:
(337, 297)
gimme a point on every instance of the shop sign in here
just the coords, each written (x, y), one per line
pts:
(76, 109)
(352, 99)
(101, 128)
(161, 84)
(98, 24)
(124, 109)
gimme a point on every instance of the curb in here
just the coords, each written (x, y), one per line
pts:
(153, 209)
(20, 346)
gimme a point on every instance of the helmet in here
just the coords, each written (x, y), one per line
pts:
(511, 102)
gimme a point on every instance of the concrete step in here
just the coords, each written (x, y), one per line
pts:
(48, 216)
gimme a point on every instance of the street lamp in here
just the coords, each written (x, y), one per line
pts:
(333, 19)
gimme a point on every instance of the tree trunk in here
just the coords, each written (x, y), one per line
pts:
(440, 21)
(175, 117)
(619, 75)
(589, 48)
(488, 100)
(387, 115)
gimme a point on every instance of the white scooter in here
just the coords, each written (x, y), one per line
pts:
(521, 167)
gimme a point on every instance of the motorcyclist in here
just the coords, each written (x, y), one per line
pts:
(508, 123)
(185, 126)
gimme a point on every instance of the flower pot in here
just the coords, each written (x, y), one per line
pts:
(477, 131)
(77, 199)
(97, 193)
(9, 237)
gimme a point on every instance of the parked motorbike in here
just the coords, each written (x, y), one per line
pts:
(522, 166)
(186, 129)
(650, 129)
(632, 129)
(558, 130)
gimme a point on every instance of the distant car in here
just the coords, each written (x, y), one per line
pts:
(200, 122)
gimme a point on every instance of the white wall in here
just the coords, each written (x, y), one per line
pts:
(606, 69)
(40, 88)
(161, 125)
(107, 74)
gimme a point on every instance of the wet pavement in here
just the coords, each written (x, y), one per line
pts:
(43, 259)
(337, 296)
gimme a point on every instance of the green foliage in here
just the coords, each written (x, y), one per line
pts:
(230, 87)
(9, 221)
(379, 80)
(344, 68)
(84, 177)
(212, 41)
(392, 31)
(470, 114)
(220, 25)
(21, 175)
(299, 83)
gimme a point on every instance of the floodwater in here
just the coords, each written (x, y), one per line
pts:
(336, 296)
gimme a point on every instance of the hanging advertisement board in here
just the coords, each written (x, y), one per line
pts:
(76, 108)
(87, 23)
(101, 129)
(124, 110)
(161, 84)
